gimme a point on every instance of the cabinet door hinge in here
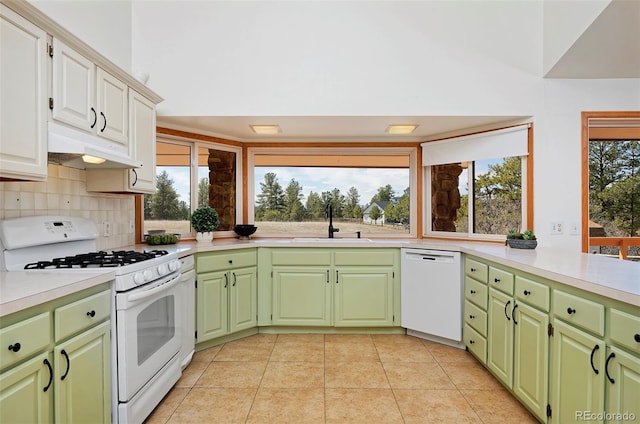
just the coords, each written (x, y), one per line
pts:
(548, 410)
(50, 49)
(549, 330)
(51, 103)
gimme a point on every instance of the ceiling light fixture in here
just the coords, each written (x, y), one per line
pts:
(266, 129)
(93, 159)
(401, 129)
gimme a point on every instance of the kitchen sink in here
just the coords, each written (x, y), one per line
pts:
(331, 240)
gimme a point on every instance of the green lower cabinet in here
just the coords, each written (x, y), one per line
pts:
(577, 374)
(82, 373)
(623, 386)
(212, 305)
(364, 297)
(227, 302)
(531, 358)
(23, 398)
(500, 336)
(302, 296)
(243, 299)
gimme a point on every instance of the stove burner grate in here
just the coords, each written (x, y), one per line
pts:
(99, 259)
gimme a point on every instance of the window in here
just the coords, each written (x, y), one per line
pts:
(613, 176)
(369, 190)
(477, 186)
(191, 174)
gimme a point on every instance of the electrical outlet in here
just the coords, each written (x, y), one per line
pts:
(106, 229)
(574, 229)
(557, 228)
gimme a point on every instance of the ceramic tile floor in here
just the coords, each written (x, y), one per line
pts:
(316, 378)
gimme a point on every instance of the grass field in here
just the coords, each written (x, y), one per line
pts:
(316, 228)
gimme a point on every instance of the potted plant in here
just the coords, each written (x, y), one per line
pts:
(204, 220)
(525, 240)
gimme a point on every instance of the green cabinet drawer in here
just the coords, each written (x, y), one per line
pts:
(532, 293)
(475, 292)
(476, 269)
(77, 316)
(475, 343)
(24, 338)
(475, 317)
(303, 256)
(213, 261)
(624, 330)
(365, 257)
(501, 280)
(579, 312)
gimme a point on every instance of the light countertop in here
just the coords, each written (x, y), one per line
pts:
(605, 276)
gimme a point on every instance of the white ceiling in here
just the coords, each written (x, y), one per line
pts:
(333, 128)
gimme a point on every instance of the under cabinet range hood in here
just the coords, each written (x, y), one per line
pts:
(76, 149)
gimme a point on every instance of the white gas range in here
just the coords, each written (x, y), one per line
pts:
(147, 309)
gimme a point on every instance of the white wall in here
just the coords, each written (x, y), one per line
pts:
(105, 25)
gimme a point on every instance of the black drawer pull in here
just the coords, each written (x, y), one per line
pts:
(505, 310)
(64, 353)
(48, 364)
(472, 291)
(472, 317)
(606, 367)
(473, 270)
(471, 342)
(593, 352)
(513, 313)
(527, 292)
(496, 280)
(571, 311)
(15, 347)
(91, 313)
(637, 338)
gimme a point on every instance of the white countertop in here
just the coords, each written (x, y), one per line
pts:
(613, 278)
(23, 289)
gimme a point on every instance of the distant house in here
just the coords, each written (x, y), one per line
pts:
(366, 218)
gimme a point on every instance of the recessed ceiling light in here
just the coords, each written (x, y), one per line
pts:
(266, 129)
(401, 129)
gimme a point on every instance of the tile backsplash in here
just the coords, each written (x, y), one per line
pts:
(65, 193)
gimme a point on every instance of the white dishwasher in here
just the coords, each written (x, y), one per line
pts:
(431, 295)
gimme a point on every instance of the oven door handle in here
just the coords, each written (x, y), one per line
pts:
(135, 297)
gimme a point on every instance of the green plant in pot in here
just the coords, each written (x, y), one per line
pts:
(518, 240)
(204, 220)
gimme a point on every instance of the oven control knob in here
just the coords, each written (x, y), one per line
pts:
(148, 275)
(138, 278)
(163, 269)
(174, 265)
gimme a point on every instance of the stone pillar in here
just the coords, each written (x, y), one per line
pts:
(445, 196)
(222, 187)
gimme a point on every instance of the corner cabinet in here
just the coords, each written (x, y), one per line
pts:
(58, 366)
(226, 293)
(23, 98)
(325, 287)
(568, 355)
(142, 148)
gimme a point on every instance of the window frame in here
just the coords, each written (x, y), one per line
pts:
(527, 193)
(195, 146)
(414, 181)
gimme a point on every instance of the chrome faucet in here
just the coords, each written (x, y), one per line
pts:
(328, 212)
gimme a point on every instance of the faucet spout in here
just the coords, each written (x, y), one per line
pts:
(329, 212)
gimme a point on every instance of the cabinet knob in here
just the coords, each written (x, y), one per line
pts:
(571, 311)
(527, 292)
(15, 347)
(91, 313)
(637, 338)
(472, 270)
(230, 261)
(472, 316)
(496, 280)
(471, 341)
(472, 291)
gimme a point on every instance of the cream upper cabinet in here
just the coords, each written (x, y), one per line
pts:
(142, 148)
(23, 98)
(87, 97)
